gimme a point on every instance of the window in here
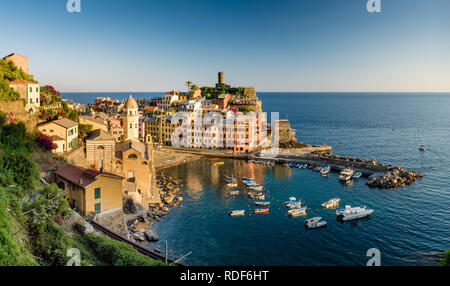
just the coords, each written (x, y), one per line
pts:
(31, 100)
(98, 208)
(37, 89)
(37, 100)
(97, 193)
(31, 89)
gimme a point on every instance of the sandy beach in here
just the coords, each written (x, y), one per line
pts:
(165, 158)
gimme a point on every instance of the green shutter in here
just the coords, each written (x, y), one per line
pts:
(98, 208)
(97, 193)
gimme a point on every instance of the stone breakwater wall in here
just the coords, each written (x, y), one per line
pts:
(398, 177)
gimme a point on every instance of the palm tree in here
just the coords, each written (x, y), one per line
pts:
(189, 83)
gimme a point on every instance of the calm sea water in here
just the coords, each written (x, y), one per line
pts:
(388, 127)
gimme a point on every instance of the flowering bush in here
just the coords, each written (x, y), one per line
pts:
(46, 142)
(52, 90)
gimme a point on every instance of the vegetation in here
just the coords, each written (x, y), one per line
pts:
(29, 211)
(49, 95)
(188, 84)
(214, 92)
(446, 260)
(9, 72)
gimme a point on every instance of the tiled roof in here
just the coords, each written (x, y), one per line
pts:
(64, 122)
(93, 119)
(99, 134)
(80, 176)
(22, 81)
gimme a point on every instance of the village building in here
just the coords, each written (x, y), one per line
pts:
(90, 191)
(64, 132)
(286, 134)
(19, 61)
(29, 91)
(169, 99)
(115, 129)
(131, 158)
(96, 123)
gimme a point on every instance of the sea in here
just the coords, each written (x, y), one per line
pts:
(406, 226)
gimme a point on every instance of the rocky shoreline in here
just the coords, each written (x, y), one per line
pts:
(398, 177)
(140, 227)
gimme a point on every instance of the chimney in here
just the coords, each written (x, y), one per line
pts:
(80, 181)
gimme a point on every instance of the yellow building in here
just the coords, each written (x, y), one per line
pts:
(95, 122)
(63, 131)
(90, 191)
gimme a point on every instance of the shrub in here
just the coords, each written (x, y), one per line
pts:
(446, 260)
(116, 253)
(46, 142)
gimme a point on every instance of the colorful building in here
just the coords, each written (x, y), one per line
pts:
(29, 91)
(90, 191)
(64, 130)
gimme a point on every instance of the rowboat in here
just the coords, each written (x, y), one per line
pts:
(315, 222)
(256, 188)
(261, 203)
(237, 212)
(262, 211)
(297, 212)
(247, 178)
(331, 203)
(214, 159)
(357, 175)
(294, 205)
(219, 163)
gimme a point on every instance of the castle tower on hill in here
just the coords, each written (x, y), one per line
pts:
(221, 80)
(131, 120)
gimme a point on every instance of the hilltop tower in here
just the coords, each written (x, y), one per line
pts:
(221, 77)
(131, 120)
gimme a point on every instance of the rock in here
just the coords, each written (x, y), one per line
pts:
(150, 235)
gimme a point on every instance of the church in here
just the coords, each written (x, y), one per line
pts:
(129, 158)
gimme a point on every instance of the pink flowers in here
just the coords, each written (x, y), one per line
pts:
(53, 90)
(46, 142)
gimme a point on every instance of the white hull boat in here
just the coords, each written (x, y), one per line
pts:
(350, 213)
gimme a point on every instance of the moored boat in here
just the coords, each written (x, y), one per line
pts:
(422, 148)
(247, 178)
(259, 203)
(357, 175)
(294, 205)
(232, 185)
(350, 213)
(315, 222)
(256, 188)
(237, 212)
(234, 192)
(262, 211)
(214, 159)
(219, 163)
(346, 174)
(297, 212)
(331, 203)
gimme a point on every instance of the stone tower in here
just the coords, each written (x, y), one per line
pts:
(131, 120)
(221, 78)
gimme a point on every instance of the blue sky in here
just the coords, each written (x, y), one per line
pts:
(299, 45)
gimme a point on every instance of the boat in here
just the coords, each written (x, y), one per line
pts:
(317, 169)
(256, 188)
(247, 178)
(315, 223)
(297, 212)
(324, 172)
(259, 203)
(250, 183)
(237, 212)
(219, 164)
(291, 199)
(357, 175)
(346, 174)
(350, 213)
(234, 192)
(422, 148)
(230, 179)
(214, 159)
(310, 166)
(256, 196)
(232, 185)
(262, 211)
(331, 203)
(294, 205)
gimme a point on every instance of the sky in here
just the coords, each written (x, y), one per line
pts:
(291, 46)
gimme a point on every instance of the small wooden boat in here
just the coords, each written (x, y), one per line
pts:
(237, 212)
(234, 193)
(297, 212)
(256, 196)
(219, 164)
(294, 205)
(357, 175)
(422, 148)
(331, 203)
(214, 159)
(256, 188)
(247, 178)
(261, 203)
(262, 211)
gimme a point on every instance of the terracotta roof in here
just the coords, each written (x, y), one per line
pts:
(93, 119)
(64, 122)
(22, 81)
(150, 107)
(80, 176)
(99, 134)
(12, 54)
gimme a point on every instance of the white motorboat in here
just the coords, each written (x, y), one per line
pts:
(297, 212)
(331, 203)
(232, 185)
(350, 213)
(294, 205)
(315, 222)
(256, 188)
(261, 203)
(346, 174)
(237, 212)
